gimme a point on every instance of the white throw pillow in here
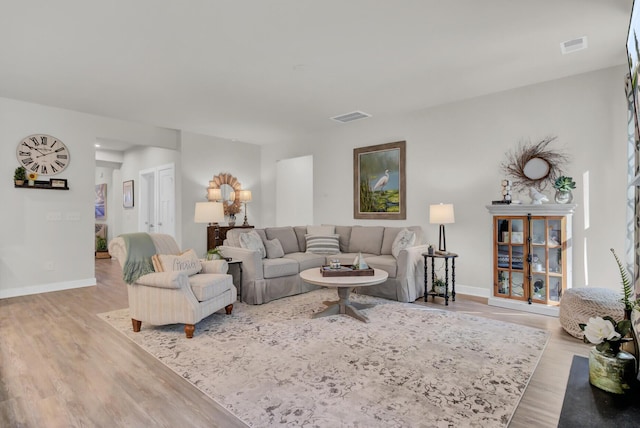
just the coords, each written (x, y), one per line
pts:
(323, 244)
(404, 239)
(186, 262)
(321, 230)
(274, 249)
(252, 241)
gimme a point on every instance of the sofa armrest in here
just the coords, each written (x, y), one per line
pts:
(411, 263)
(215, 266)
(164, 280)
(251, 261)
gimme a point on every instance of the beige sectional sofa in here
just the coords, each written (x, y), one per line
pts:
(275, 275)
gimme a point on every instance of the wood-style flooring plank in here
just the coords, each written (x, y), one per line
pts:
(62, 366)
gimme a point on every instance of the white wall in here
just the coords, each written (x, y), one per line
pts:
(203, 157)
(55, 228)
(294, 191)
(454, 154)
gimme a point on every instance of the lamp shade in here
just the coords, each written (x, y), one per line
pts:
(209, 212)
(245, 196)
(214, 194)
(441, 214)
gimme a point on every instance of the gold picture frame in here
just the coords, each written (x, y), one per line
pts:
(379, 182)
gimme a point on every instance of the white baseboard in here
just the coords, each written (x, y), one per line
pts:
(46, 288)
(472, 291)
(519, 305)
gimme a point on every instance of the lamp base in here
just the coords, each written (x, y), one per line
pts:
(245, 223)
(442, 241)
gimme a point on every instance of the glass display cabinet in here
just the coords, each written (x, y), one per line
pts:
(531, 254)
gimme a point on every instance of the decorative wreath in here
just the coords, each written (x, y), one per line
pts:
(527, 152)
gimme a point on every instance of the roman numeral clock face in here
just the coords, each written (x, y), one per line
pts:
(43, 154)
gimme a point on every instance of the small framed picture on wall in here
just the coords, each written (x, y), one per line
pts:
(127, 194)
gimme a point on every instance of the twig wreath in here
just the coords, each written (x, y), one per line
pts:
(520, 161)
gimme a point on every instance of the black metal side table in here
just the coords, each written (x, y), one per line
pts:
(446, 257)
(238, 284)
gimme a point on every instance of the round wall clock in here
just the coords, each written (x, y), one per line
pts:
(43, 154)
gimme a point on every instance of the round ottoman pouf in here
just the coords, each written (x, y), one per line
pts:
(579, 304)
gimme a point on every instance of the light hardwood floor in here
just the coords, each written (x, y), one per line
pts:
(61, 366)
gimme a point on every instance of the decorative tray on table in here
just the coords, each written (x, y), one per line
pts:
(345, 270)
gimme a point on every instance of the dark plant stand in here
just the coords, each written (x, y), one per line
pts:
(446, 257)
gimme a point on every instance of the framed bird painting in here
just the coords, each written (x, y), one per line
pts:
(379, 182)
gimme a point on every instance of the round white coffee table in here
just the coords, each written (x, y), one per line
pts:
(344, 285)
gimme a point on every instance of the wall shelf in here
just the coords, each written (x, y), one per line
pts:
(40, 184)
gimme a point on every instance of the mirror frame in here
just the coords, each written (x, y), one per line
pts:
(226, 178)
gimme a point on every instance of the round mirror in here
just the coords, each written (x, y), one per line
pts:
(226, 191)
(536, 169)
(227, 184)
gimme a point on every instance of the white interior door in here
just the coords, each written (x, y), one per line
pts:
(146, 196)
(166, 201)
(157, 200)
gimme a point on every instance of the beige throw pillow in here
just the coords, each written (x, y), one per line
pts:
(274, 249)
(187, 262)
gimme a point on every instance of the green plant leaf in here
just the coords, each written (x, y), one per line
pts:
(626, 284)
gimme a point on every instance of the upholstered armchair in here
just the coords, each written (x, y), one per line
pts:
(177, 295)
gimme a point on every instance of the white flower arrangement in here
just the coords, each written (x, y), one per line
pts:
(606, 333)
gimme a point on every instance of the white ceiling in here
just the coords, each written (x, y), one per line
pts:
(266, 71)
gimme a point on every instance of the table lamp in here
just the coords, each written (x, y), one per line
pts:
(441, 214)
(245, 196)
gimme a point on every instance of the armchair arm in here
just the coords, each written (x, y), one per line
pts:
(164, 280)
(215, 266)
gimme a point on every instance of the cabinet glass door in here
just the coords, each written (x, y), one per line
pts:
(511, 253)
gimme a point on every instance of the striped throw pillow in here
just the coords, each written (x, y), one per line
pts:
(323, 244)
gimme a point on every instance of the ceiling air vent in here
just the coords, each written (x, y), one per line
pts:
(573, 45)
(350, 117)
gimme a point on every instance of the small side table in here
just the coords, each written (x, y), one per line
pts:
(237, 264)
(446, 257)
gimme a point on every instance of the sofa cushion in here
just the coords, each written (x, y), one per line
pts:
(366, 239)
(307, 260)
(323, 244)
(324, 229)
(388, 237)
(275, 268)
(420, 237)
(186, 262)
(386, 263)
(345, 236)
(206, 286)
(301, 231)
(404, 239)
(252, 241)
(286, 236)
(274, 248)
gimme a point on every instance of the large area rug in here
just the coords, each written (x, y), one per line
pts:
(411, 366)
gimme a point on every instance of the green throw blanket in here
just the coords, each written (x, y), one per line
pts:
(140, 249)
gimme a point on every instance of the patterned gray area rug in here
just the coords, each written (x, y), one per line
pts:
(411, 366)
